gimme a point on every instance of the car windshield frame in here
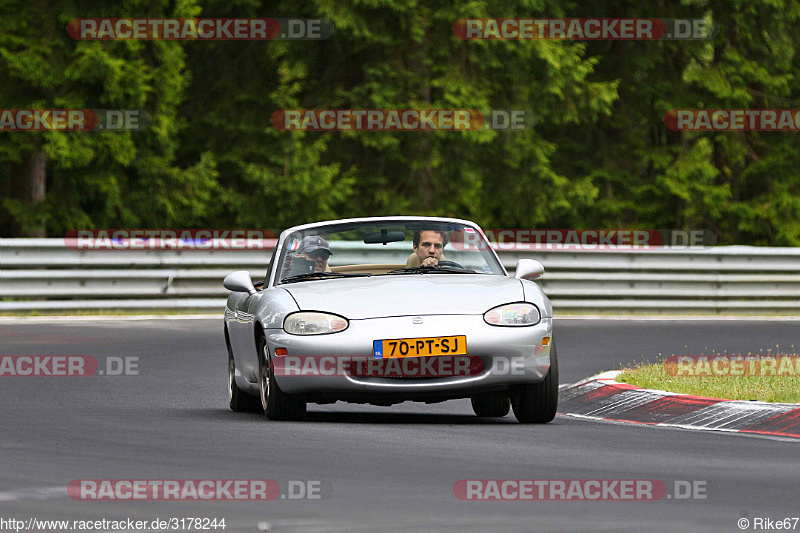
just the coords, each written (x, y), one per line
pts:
(289, 237)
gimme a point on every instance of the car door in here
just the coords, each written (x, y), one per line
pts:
(240, 330)
(243, 321)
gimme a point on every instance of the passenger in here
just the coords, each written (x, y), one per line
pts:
(315, 249)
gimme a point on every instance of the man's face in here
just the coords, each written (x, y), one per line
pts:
(430, 247)
(320, 258)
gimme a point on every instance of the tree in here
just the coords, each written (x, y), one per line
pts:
(95, 179)
(388, 55)
(738, 184)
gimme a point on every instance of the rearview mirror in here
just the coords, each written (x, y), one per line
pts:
(239, 281)
(384, 236)
(529, 269)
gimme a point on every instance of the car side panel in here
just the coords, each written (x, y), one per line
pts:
(535, 295)
(265, 310)
(237, 321)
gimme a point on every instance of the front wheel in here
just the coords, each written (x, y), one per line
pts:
(277, 405)
(537, 403)
(238, 400)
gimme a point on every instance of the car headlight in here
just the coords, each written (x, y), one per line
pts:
(314, 323)
(519, 314)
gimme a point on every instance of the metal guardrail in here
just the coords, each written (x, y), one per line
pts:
(45, 275)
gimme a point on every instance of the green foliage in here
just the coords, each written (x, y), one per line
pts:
(599, 155)
(101, 179)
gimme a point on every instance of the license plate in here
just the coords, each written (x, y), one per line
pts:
(420, 347)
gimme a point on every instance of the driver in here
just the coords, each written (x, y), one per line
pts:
(428, 246)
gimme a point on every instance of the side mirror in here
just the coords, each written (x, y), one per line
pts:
(529, 269)
(239, 281)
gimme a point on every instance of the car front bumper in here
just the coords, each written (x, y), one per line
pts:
(509, 355)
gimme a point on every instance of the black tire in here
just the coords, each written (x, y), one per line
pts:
(275, 403)
(537, 403)
(239, 401)
(491, 405)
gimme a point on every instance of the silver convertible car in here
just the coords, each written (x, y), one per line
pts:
(385, 310)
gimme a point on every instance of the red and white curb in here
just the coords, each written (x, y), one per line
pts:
(602, 398)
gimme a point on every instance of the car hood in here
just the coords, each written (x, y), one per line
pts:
(406, 294)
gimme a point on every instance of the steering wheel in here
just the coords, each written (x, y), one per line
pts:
(450, 264)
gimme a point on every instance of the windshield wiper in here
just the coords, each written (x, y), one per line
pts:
(432, 270)
(322, 275)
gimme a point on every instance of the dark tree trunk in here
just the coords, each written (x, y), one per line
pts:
(27, 183)
(424, 176)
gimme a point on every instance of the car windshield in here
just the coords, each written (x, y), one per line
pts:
(384, 249)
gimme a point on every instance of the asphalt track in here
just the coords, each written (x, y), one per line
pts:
(384, 469)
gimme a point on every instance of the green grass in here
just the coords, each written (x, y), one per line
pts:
(777, 389)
